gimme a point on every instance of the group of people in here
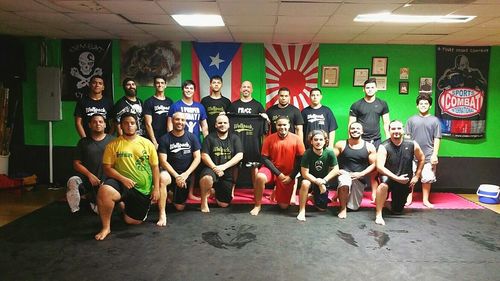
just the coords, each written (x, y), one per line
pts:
(164, 148)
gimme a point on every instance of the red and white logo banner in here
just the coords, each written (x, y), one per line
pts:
(294, 67)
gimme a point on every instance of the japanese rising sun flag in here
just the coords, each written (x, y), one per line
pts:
(223, 59)
(294, 67)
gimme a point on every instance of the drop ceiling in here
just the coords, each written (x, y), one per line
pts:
(265, 21)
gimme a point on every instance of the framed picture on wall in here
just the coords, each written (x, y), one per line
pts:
(404, 73)
(379, 66)
(425, 85)
(404, 87)
(330, 76)
(360, 76)
(381, 83)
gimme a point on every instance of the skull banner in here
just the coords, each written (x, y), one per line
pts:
(83, 59)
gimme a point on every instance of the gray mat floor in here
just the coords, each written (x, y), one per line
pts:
(229, 244)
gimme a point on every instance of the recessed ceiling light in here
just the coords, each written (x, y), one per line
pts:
(388, 17)
(199, 20)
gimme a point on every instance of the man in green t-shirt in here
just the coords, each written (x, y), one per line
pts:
(318, 167)
(131, 166)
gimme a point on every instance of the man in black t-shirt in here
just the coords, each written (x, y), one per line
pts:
(221, 152)
(215, 103)
(179, 155)
(395, 164)
(284, 108)
(368, 112)
(87, 162)
(129, 103)
(155, 111)
(318, 117)
(93, 103)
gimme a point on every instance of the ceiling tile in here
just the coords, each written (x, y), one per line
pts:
(250, 20)
(249, 8)
(156, 19)
(428, 9)
(298, 9)
(23, 6)
(97, 18)
(301, 21)
(190, 7)
(48, 17)
(132, 7)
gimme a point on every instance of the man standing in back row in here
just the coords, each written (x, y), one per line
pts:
(129, 103)
(368, 111)
(425, 130)
(318, 117)
(156, 111)
(215, 103)
(284, 108)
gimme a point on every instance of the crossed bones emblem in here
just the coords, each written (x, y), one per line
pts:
(84, 81)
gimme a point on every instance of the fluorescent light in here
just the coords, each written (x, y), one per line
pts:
(199, 20)
(388, 17)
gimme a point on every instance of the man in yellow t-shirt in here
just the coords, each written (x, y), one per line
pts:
(131, 167)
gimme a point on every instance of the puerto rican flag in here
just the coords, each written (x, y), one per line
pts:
(294, 67)
(223, 59)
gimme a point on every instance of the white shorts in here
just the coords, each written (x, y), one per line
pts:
(356, 189)
(428, 172)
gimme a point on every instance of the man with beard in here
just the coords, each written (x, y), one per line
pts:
(133, 177)
(356, 160)
(129, 103)
(318, 117)
(215, 103)
(426, 131)
(221, 152)
(196, 118)
(394, 163)
(318, 167)
(87, 163)
(281, 153)
(93, 103)
(368, 112)
(156, 111)
(179, 153)
(284, 108)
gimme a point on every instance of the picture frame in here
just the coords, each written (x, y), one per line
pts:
(425, 85)
(330, 76)
(404, 87)
(379, 66)
(381, 82)
(404, 73)
(360, 76)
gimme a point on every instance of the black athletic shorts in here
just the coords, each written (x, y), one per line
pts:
(180, 194)
(399, 193)
(223, 185)
(136, 204)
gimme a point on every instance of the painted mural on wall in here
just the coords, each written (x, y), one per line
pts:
(462, 83)
(83, 59)
(144, 60)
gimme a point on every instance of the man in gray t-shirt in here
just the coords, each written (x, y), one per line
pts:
(425, 130)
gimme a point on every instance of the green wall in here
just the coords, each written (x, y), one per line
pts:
(419, 58)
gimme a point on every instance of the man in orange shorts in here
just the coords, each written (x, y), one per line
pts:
(281, 153)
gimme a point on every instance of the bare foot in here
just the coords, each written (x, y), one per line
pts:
(162, 221)
(302, 216)
(205, 209)
(342, 214)
(102, 234)
(374, 196)
(293, 200)
(193, 197)
(409, 199)
(255, 211)
(428, 204)
(379, 220)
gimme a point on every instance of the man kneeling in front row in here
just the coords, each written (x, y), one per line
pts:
(131, 165)
(394, 163)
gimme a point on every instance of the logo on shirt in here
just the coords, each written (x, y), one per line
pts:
(222, 152)
(179, 146)
(312, 118)
(161, 109)
(240, 128)
(93, 110)
(318, 165)
(212, 110)
(245, 110)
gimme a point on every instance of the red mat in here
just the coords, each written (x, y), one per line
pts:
(439, 199)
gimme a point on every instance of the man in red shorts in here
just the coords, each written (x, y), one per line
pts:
(281, 153)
